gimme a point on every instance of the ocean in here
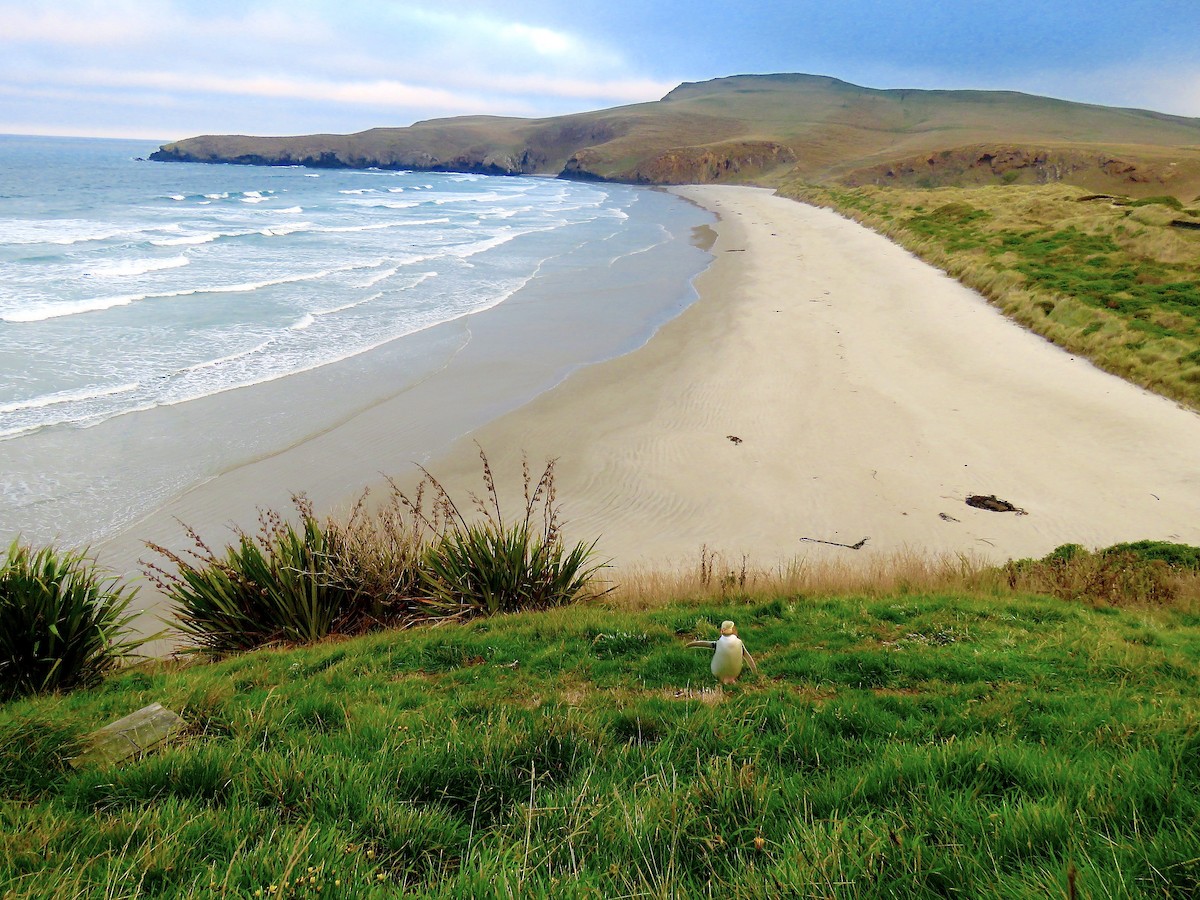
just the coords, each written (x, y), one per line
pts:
(128, 287)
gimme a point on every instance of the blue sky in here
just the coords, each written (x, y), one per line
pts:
(173, 68)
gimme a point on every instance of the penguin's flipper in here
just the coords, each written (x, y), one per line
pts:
(750, 659)
(707, 645)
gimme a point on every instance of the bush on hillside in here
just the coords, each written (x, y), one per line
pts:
(485, 565)
(1143, 572)
(274, 586)
(62, 625)
(395, 565)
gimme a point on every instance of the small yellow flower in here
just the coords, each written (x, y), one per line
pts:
(370, 854)
(759, 843)
(380, 877)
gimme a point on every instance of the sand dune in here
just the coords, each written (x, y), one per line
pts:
(870, 395)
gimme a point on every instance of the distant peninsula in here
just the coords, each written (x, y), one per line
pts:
(757, 129)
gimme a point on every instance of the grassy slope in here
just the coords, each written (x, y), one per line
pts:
(829, 129)
(1113, 282)
(905, 746)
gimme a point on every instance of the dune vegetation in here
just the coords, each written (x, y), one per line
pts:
(1105, 277)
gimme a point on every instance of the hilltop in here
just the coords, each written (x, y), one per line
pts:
(761, 128)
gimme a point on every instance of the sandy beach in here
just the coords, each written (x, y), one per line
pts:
(826, 389)
(869, 395)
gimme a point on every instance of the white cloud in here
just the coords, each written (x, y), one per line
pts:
(372, 93)
(400, 60)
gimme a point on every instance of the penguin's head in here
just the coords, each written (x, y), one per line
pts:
(727, 627)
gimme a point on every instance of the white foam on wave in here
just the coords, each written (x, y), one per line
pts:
(46, 311)
(311, 175)
(351, 305)
(191, 239)
(292, 210)
(303, 322)
(377, 226)
(61, 232)
(59, 397)
(282, 230)
(127, 268)
(487, 197)
(384, 204)
(358, 191)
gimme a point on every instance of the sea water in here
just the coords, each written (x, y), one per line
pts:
(127, 286)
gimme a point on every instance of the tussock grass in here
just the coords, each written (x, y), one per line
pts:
(1102, 277)
(892, 746)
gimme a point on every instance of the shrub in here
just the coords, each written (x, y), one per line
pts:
(277, 585)
(488, 565)
(375, 558)
(1177, 556)
(1154, 572)
(62, 625)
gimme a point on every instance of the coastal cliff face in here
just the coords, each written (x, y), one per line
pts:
(760, 128)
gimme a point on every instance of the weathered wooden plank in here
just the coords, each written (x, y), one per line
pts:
(136, 733)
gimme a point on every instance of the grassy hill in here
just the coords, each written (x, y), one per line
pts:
(905, 745)
(759, 128)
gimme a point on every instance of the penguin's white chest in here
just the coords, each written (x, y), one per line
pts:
(727, 657)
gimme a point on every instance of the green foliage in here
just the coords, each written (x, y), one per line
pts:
(402, 564)
(1143, 572)
(1182, 556)
(277, 585)
(909, 746)
(35, 756)
(62, 625)
(489, 566)
(1165, 200)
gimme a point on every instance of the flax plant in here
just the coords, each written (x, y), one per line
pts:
(484, 564)
(276, 585)
(62, 625)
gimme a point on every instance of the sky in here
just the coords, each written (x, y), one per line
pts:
(169, 69)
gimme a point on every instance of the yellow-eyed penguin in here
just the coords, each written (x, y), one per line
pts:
(728, 653)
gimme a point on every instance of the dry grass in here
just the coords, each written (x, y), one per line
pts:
(1089, 578)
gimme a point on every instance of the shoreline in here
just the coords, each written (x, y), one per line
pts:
(870, 395)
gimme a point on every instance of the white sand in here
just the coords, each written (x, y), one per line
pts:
(872, 395)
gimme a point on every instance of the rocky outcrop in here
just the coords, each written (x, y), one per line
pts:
(740, 160)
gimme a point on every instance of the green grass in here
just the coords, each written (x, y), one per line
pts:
(1112, 281)
(906, 746)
